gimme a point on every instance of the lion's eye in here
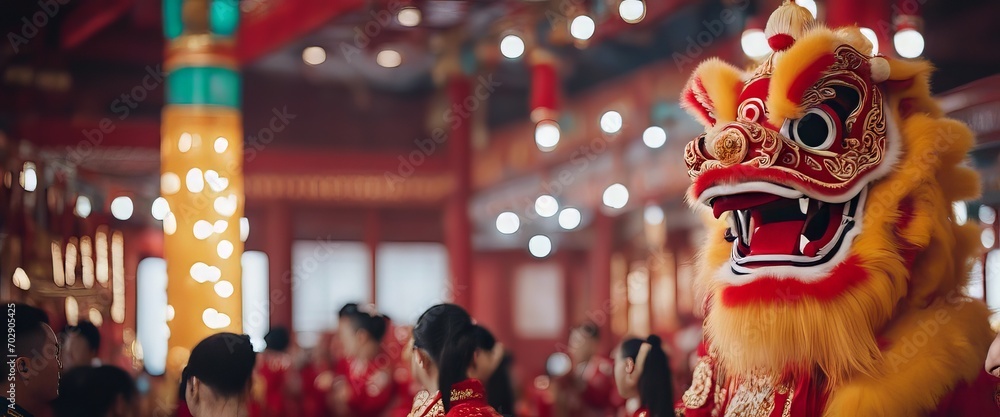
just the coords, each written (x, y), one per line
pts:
(817, 130)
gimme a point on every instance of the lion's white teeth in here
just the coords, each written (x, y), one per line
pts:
(803, 241)
(804, 205)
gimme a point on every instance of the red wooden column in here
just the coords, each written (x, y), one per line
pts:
(458, 227)
(373, 232)
(600, 277)
(278, 246)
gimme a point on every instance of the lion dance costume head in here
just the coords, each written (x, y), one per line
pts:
(834, 274)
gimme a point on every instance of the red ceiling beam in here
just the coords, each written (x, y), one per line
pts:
(89, 18)
(284, 22)
(82, 135)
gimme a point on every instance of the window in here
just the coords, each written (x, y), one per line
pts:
(993, 279)
(411, 277)
(256, 301)
(538, 300)
(325, 276)
(151, 313)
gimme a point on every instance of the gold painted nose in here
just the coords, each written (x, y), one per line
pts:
(730, 147)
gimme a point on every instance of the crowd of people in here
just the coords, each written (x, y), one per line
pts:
(445, 365)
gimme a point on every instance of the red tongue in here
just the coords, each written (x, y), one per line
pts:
(776, 238)
(740, 201)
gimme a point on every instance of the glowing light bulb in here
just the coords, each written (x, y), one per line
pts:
(546, 206)
(632, 11)
(547, 135)
(389, 58)
(160, 208)
(569, 218)
(512, 46)
(872, 37)
(83, 206)
(408, 16)
(540, 246)
(654, 137)
(582, 27)
(314, 55)
(508, 223)
(615, 196)
(121, 207)
(754, 43)
(611, 121)
(909, 43)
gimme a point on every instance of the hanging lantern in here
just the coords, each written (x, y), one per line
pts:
(545, 99)
(908, 39)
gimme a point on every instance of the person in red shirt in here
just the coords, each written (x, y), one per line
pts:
(589, 388)
(365, 386)
(445, 346)
(271, 375)
(642, 372)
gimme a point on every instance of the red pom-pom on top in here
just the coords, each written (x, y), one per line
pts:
(780, 42)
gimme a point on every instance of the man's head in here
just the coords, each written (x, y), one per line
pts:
(80, 345)
(583, 342)
(37, 366)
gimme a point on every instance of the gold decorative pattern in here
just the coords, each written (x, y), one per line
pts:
(697, 395)
(787, 411)
(753, 397)
(465, 394)
(731, 147)
(423, 406)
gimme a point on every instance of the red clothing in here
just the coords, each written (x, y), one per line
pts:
(316, 381)
(371, 386)
(592, 391)
(468, 399)
(269, 385)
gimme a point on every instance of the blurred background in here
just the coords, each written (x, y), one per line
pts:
(520, 158)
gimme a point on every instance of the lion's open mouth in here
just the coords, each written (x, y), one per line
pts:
(771, 230)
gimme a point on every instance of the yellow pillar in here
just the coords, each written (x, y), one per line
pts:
(201, 167)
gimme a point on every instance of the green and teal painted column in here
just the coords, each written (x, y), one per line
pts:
(201, 167)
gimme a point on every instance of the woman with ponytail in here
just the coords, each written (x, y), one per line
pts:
(445, 343)
(642, 371)
(365, 387)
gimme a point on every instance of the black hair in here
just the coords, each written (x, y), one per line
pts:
(589, 328)
(655, 383)
(445, 331)
(277, 339)
(88, 331)
(499, 388)
(223, 361)
(368, 320)
(347, 309)
(27, 325)
(92, 392)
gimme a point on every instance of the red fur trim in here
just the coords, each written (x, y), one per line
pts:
(808, 76)
(737, 174)
(769, 290)
(780, 42)
(899, 85)
(690, 98)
